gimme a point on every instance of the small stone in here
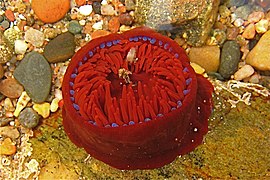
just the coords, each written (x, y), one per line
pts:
(207, 57)
(114, 24)
(255, 78)
(224, 11)
(80, 2)
(126, 19)
(1, 71)
(6, 49)
(8, 106)
(50, 11)
(197, 68)
(232, 33)
(99, 33)
(34, 73)
(259, 56)
(9, 131)
(255, 16)
(35, 37)
(29, 118)
(238, 22)
(20, 46)
(262, 26)
(237, 3)
(130, 5)
(74, 27)
(243, 11)
(107, 10)
(7, 147)
(22, 102)
(9, 15)
(244, 72)
(11, 88)
(12, 34)
(85, 10)
(97, 7)
(60, 48)
(5, 120)
(98, 25)
(54, 105)
(230, 57)
(249, 32)
(42, 109)
(5, 24)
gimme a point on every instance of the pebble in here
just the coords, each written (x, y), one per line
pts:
(259, 56)
(230, 57)
(2, 71)
(126, 19)
(255, 78)
(5, 24)
(7, 147)
(243, 11)
(107, 10)
(11, 88)
(85, 10)
(74, 27)
(60, 48)
(9, 131)
(20, 46)
(9, 15)
(80, 2)
(5, 120)
(35, 37)
(130, 5)
(8, 106)
(114, 24)
(249, 32)
(262, 26)
(50, 11)
(12, 34)
(224, 11)
(54, 105)
(244, 72)
(206, 56)
(232, 33)
(34, 73)
(42, 109)
(99, 33)
(238, 22)
(22, 102)
(236, 3)
(6, 49)
(97, 7)
(197, 68)
(98, 25)
(29, 118)
(255, 17)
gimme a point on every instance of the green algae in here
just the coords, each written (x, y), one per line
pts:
(236, 147)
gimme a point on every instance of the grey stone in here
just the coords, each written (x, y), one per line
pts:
(236, 3)
(74, 27)
(243, 11)
(230, 57)
(60, 48)
(34, 73)
(29, 118)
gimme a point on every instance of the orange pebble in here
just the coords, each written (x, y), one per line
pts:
(9, 15)
(99, 33)
(80, 2)
(50, 11)
(7, 147)
(114, 24)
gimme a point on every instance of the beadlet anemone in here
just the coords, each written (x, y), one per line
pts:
(133, 101)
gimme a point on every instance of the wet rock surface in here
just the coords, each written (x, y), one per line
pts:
(34, 73)
(29, 118)
(60, 48)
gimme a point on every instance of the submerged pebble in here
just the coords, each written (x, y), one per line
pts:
(244, 72)
(35, 37)
(7, 147)
(11, 88)
(29, 118)
(42, 109)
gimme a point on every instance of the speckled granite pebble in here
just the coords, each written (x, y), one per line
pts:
(230, 57)
(34, 73)
(29, 118)
(60, 48)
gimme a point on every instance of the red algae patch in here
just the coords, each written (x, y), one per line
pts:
(50, 11)
(133, 101)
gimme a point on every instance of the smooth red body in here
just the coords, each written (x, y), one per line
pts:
(147, 145)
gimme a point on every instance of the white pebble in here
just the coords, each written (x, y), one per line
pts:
(238, 22)
(20, 46)
(82, 22)
(54, 105)
(22, 102)
(35, 37)
(85, 10)
(98, 25)
(107, 10)
(244, 72)
(262, 26)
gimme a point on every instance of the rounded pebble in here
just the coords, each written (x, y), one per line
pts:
(9, 15)
(80, 2)
(130, 5)
(244, 72)
(11, 88)
(35, 37)
(34, 73)
(74, 27)
(230, 57)
(20, 46)
(85, 10)
(54, 105)
(29, 118)
(50, 11)
(206, 56)
(107, 10)
(42, 109)
(126, 19)
(249, 32)
(255, 16)
(262, 26)
(97, 7)
(243, 11)
(7, 147)
(114, 24)
(5, 24)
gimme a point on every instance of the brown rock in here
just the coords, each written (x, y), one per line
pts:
(207, 57)
(232, 33)
(249, 32)
(11, 88)
(50, 11)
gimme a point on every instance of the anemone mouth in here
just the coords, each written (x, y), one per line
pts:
(124, 82)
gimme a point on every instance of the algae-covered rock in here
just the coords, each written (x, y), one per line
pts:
(191, 18)
(6, 49)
